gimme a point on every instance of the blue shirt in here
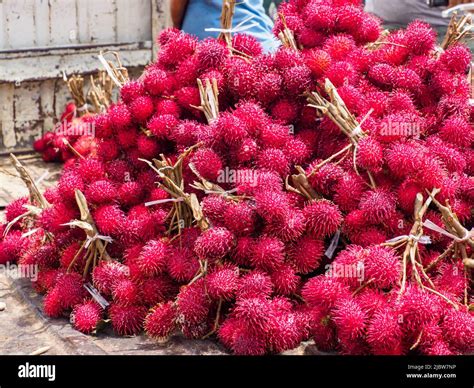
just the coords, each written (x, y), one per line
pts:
(202, 14)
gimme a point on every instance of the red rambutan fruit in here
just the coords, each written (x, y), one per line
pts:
(157, 82)
(147, 147)
(254, 312)
(214, 208)
(370, 154)
(16, 208)
(457, 58)
(318, 61)
(285, 111)
(417, 308)
(297, 79)
(457, 131)
(120, 116)
(214, 244)
(273, 159)
(306, 254)
(382, 265)
(268, 253)
(341, 73)
(269, 87)
(86, 317)
(458, 330)
(320, 16)
(107, 274)
(323, 291)
(407, 79)
(239, 218)
(142, 108)
(378, 205)
(350, 320)
(211, 53)
(125, 292)
(193, 303)
(382, 74)
(157, 290)
(420, 37)
(207, 163)
(247, 342)
(372, 300)
(348, 191)
(52, 306)
(131, 91)
(384, 334)
(182, 265)
(127, 320)
(70, 287)
(243, 251)
(339, 46)
(254, 284)
(153, 258)
(288, 228)
(247, 44)
(162, 125)
(285, 280)
(161, 321)
(230, 129)
(108, 150)
(323, 218)
(69, 182)
(222, 283)
(109, 219)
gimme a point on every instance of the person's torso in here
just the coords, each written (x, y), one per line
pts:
(202, 14)
(402, 12)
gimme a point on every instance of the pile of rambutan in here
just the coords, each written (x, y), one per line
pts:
(234, 210)
(71, 137)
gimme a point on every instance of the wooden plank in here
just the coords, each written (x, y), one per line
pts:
(102, 21)
(28, 120)
(50, 64)
(133, 21)
(47, 105)
(7, 118)
(12, 187)
(42, 37)
(20, 23)
(63, 23)
(82, 10)
(160, 19)
(2, 27)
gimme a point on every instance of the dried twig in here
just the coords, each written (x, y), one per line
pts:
(209, 94)
(459, 29)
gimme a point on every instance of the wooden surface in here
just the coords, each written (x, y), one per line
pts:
(12, 187)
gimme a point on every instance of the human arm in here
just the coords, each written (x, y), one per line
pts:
(178, 9)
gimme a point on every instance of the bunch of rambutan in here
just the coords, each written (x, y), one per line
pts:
(72, 136)
(273, 229)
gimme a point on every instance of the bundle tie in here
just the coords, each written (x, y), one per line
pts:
(432, 226)
(425, 240)
(84, 107)
(238, 28)
(97, 236)
(160, 201)
(96, 295)
(333, 245)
